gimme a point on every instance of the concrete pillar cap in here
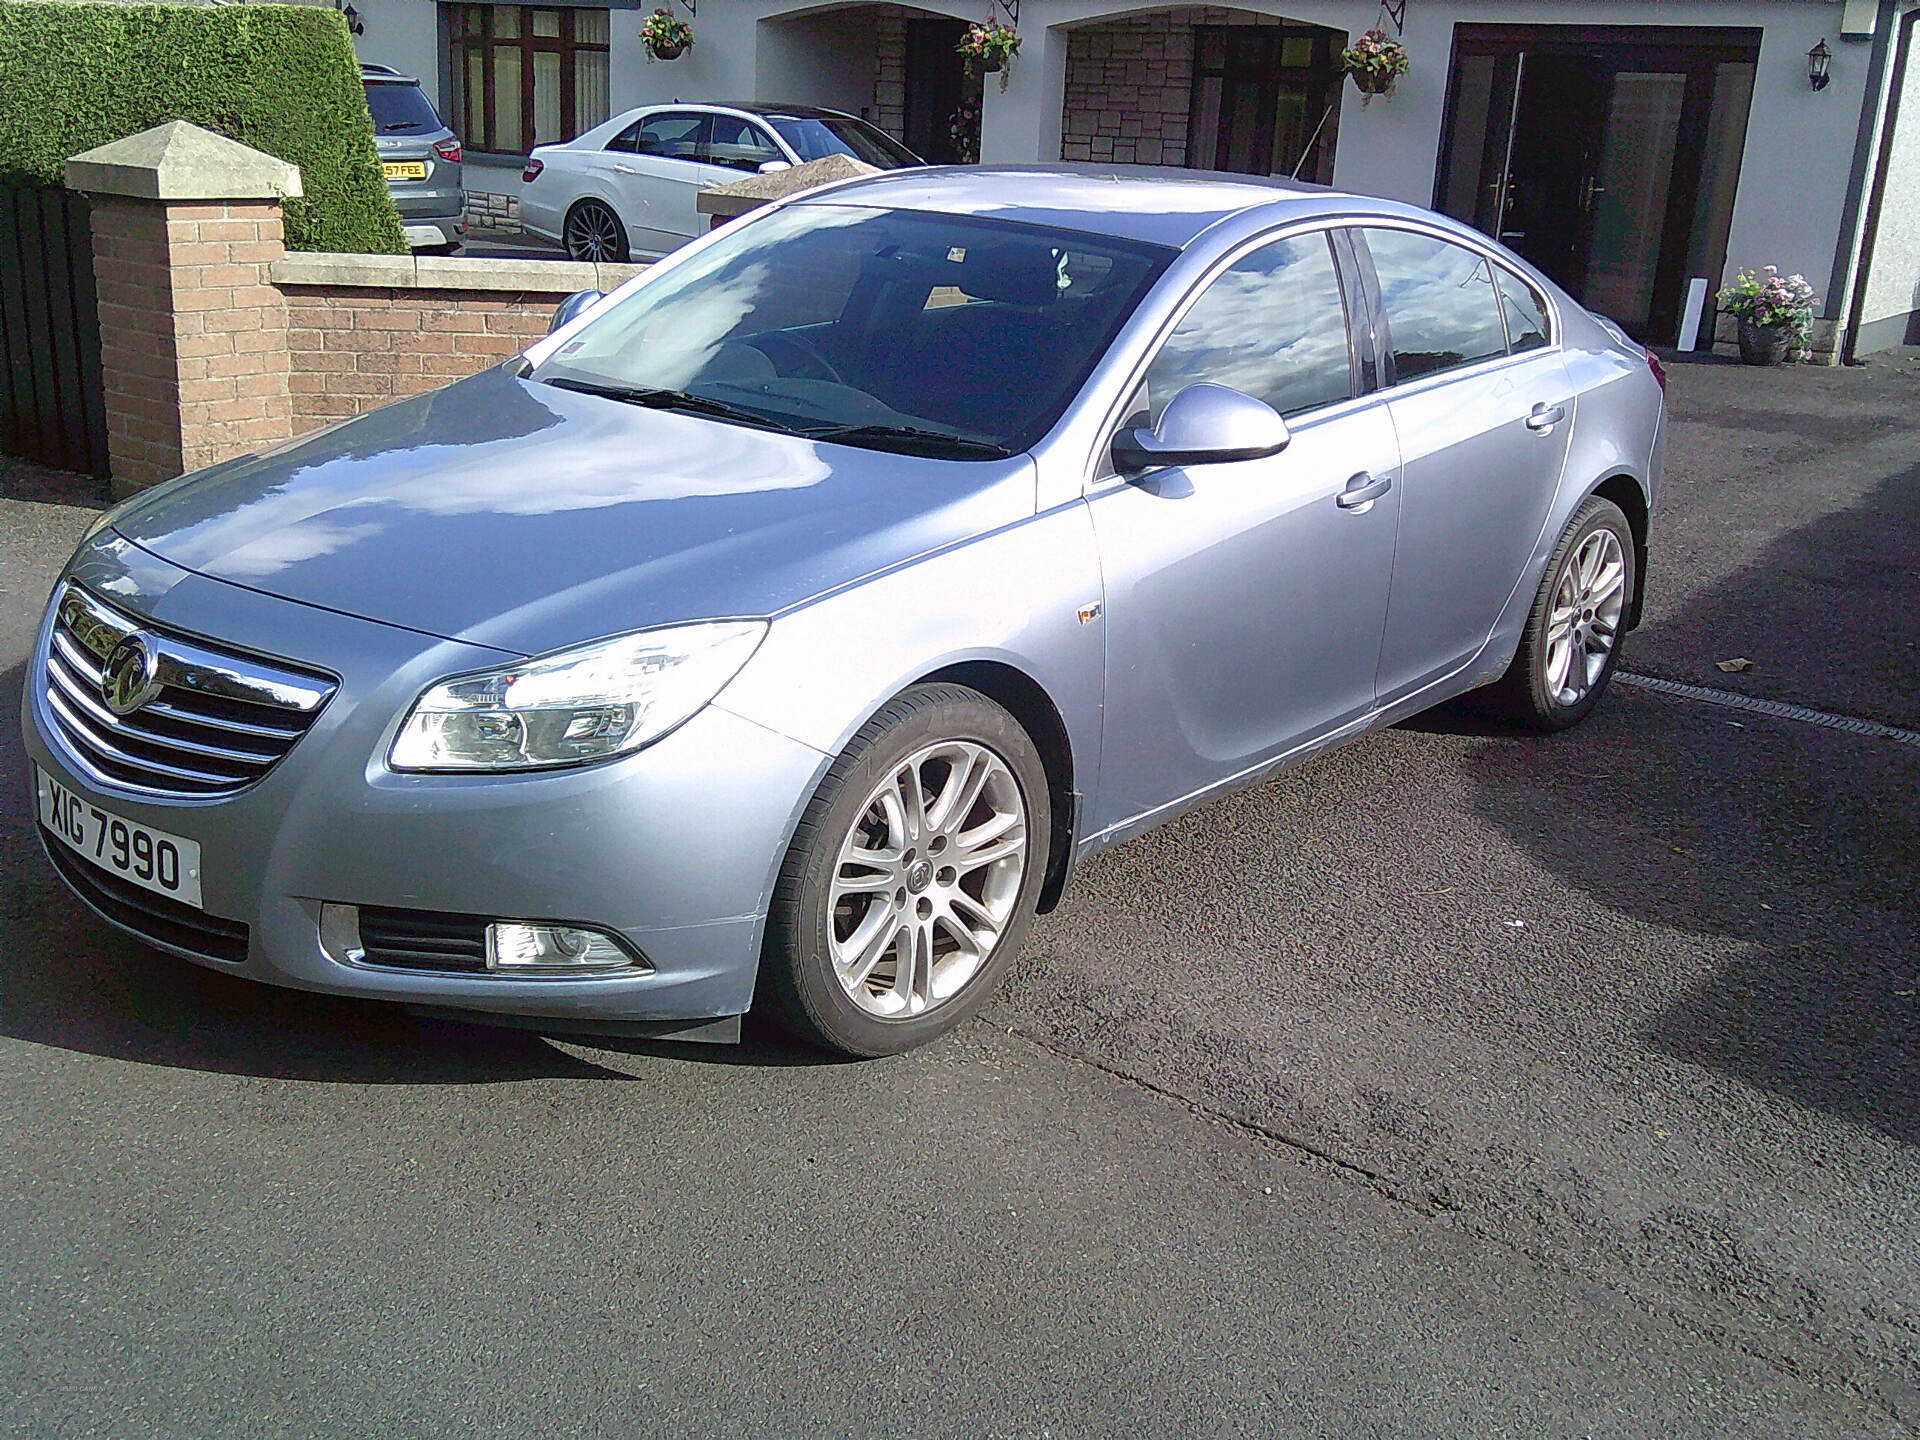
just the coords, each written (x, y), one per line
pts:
(180, 161)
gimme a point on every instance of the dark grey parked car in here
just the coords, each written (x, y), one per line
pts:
(421, 157)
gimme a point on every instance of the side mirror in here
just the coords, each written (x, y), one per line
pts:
(570, 308)
(1204, 424)
(767, 167)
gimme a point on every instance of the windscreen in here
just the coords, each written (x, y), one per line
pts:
(815, 138)
(899, 329)
(400, 109)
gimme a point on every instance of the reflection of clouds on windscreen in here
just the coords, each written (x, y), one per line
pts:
(1272, 326)
(1439, 301)
(665, 331)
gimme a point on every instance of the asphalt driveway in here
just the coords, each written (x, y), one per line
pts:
(1461, 1083)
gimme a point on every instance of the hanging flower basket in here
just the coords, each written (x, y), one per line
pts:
(1375, 61)
(989, 48)
(666, 36)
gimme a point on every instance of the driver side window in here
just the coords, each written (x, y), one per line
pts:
(1274, 326)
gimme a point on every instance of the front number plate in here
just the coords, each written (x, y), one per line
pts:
(406, 169)
(166, 864)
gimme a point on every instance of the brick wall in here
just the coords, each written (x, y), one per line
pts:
(192, 325)
(363, 330)
(1130, 83)
(355, 349)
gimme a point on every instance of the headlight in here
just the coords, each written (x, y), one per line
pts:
(601, 700)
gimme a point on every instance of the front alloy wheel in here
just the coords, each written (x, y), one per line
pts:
(913, 876)
(927, 879)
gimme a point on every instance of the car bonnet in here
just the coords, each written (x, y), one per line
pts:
(517, 515)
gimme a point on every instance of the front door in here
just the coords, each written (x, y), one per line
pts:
(1244, 602)
(1601, 156)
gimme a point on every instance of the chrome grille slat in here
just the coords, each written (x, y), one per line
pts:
(99, 715)
(216, 723)
(93, 740)
(237, 727)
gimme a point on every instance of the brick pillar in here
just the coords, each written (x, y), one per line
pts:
(193, 334)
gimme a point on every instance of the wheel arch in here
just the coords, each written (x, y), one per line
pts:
(1625, 491)
(1027, 701)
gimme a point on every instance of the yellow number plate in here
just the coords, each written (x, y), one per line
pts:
(406, 169)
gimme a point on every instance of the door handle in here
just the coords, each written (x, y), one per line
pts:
(1545, 417)
(626, 169)
(1363, 489)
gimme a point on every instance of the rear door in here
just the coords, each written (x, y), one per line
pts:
(656, 181)
(1483, 409)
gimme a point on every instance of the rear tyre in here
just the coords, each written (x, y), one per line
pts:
(1571, 645)
(593, 232)
(912, 877)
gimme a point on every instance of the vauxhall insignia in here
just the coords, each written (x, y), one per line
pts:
(131, 676)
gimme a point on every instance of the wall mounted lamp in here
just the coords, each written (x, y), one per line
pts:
(1819, 61)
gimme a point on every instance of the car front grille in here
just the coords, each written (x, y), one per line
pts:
(423, 940)
(203, 722)
(152, 917)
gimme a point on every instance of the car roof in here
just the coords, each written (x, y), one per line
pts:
(1159, 204)
(371, 71)
(773, 110)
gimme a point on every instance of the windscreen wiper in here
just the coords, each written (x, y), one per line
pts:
(653, 398)
(911, 438)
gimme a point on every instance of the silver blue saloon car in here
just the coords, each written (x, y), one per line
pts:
(787, 625)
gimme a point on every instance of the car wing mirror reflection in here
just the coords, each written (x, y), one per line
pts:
(1204, 424)
(569, 309)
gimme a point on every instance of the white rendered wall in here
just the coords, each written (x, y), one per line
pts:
(404, 34)
(1893, 274)
(1793, 176)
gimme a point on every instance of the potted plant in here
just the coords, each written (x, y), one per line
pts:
(989, 48)
(1375, 61)
(666, 36)
(1775, 312)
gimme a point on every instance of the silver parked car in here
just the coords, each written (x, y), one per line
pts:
(628, 189)
(790, 623)
(420, 157)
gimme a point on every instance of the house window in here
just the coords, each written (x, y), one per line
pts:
(523, 75)
(1265, 100)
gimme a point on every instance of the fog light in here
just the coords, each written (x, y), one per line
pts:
(522, 948)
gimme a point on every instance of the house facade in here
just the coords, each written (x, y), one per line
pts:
(1627, 147)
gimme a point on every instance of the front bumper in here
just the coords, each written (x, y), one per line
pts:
(674, 848)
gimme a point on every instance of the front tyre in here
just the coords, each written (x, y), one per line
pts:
(913, 876)
(1571, 646)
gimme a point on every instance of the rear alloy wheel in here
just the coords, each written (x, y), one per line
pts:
(1571, 646)
(912, 879)
(594, 232)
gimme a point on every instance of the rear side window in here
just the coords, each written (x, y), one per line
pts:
(1526, 312)
(676, 135)
(740, 145)
(399, 109)
(1273, 326)
(1440, 303)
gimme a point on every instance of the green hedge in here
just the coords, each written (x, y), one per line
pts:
(281, 78)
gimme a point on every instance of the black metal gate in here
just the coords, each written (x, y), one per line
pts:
(52, 401)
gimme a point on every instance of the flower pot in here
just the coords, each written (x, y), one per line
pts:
(990, 65)
(1370, 83)
(666, 52)
(1765, 344)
